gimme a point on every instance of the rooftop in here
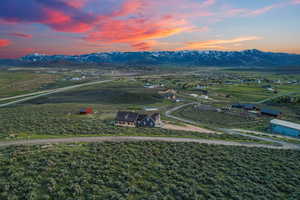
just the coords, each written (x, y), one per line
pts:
(286, 124)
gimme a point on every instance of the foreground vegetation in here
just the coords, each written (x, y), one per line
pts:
(148, 170)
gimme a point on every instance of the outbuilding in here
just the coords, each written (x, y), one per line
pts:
(86, 111)
(270, 112)
(285, 127)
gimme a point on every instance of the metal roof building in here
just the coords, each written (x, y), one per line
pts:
(285, 127)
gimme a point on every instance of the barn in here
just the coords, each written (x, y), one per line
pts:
(285, 128)
(86, 111)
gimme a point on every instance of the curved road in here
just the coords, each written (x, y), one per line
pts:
(137, 139)
(283, 144)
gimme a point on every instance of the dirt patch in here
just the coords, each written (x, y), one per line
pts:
(186, 127)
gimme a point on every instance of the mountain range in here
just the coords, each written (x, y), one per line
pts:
(246, 58)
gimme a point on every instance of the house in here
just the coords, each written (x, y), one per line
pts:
(132, 119)
(244, 106)
(86, 111)
(285, 127)
(249, 107)
(127, 119)
(201, 86)
(169, 96)
(270, 112)
(237, 105)
(145, 121)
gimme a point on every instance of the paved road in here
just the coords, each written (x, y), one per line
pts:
(48, 92)
(135, 139)
(275, 97)
(285, 145)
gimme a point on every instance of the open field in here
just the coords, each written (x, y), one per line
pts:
(216, 119)
(122, 92)
(243, 93)
(148, 170)
(16, 83)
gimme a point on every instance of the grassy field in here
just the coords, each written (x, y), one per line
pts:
(147, 170)
(222, 119)
(16, 83)
(118, 92)
(243, 93)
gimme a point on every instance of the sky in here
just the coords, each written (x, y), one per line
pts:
(75, 27)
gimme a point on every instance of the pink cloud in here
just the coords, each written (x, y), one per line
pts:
(22, 35)
(295, 1)
(4, 42)
(76, 3)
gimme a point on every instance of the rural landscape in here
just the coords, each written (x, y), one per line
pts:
(149, 100)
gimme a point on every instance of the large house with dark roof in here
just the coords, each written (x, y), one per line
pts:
(128, 119)
(132, 119)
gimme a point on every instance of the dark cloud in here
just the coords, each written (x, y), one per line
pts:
(56, 14)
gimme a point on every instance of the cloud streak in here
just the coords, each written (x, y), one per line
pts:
(21, 35)
(217, 44)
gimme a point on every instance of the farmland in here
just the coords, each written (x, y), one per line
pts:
(148, 170)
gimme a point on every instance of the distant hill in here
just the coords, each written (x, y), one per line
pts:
(247, 58)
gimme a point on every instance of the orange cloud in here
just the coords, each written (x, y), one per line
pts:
(4, 42)
(216, 44)
(134, 30)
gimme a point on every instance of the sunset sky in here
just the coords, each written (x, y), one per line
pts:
(86, 26)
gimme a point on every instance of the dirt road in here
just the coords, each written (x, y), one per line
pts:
(138, 139)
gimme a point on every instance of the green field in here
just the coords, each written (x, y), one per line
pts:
(147, 170)
(118, 92)
(244, 93)
(216, 119)
(16, 83)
